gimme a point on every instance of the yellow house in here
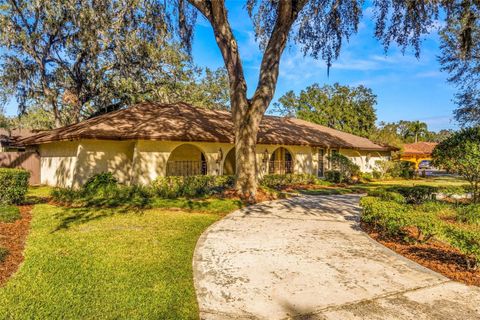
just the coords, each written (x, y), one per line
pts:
(417, 152)
(149, 140)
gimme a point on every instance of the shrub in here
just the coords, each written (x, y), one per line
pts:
(277, 181)
(3, 254)
(100, 182)
(387, 195)
(387, 216)
(343, 169)
(368, 176)
(9, 213)
(334, 176)
(416, 194)
(13, 185)
(426, 223)
(467, 241)
(469, 213)
(383, 168)
(191, 186)
(402, 169)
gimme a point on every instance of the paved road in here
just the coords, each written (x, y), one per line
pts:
(306, 258)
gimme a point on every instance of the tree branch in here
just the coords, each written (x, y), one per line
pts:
(287, 13)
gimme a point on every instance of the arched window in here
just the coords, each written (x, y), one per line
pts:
(281, 162)
(186, 160)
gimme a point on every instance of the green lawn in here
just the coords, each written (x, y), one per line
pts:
(101, 264)
(365, 187)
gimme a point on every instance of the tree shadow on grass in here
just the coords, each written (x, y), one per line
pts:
(69, 217)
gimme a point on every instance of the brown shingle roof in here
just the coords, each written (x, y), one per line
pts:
(419, 148)
(183, 122)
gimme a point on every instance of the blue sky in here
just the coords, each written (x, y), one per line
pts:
(407, 88)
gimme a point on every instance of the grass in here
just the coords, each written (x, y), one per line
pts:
(365, 187)
(9, 213)
(99, 264)
(214, 205)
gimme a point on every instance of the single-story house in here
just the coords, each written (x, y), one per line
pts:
(150, 140)
(8, 138)
(418, 152)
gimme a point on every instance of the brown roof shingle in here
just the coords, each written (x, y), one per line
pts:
(183, 122)
(419, 148)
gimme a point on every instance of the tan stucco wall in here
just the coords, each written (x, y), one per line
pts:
(365, 159)
(141, 162)
(95, 156)
(57, 163)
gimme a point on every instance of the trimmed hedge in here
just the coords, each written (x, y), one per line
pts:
(416, 194)
(13, 185)
(191, 186)
(423, 222)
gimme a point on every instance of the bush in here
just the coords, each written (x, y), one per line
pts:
(13, 185)
(469, 213)
(100, 182)
(343, 169)
(387, 195)
(467, 241)
(402, 169)
(278, 181)
(3, 254)
(387, 216)
(191, 186)
(416, 194)
(426, 223)
(9, 213)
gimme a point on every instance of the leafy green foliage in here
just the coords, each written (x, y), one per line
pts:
(100, 182)
(278, 181)
(9, 213)
(388, 216)
(349, 109)
(77, 59)
(343, 169)
(3, 254)
(460, 153)
(467, 241)
(463, 67)
(469, 213)
(387, 195)
(13, 185)
(416, 194)
(191, 186)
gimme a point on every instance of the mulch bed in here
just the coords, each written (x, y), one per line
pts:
(12, 237)
(435, 255)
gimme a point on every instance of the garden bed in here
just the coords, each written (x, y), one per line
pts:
(434, 255)
(12, 238)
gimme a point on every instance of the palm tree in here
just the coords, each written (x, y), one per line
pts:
(414, 129)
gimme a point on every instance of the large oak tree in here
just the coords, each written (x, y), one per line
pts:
(319, 27)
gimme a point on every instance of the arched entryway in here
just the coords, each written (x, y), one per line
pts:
(229, 163)
(281, 162)
(186, 160)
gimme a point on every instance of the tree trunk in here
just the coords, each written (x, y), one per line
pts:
(246, 132)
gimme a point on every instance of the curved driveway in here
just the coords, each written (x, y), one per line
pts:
(306, 258)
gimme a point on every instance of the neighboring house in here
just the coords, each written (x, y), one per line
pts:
(418, 152)
(151, 140)
(8, 138)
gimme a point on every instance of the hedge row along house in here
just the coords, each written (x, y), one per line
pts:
(150, 140)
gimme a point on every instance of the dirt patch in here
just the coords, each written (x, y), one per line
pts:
(435, 255)
(12, 237)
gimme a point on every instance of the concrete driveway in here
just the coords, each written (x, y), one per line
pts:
(307, 258)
